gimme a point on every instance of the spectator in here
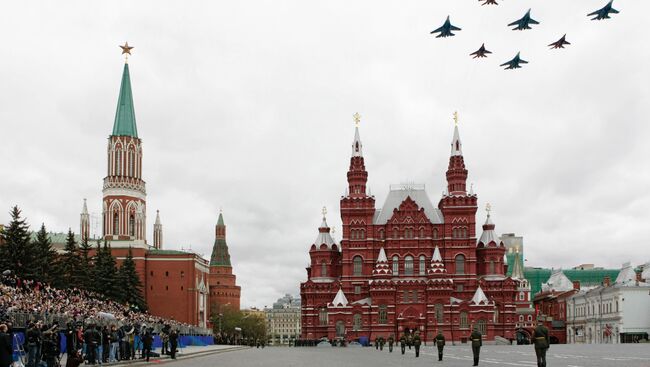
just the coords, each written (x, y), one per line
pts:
(6, 350)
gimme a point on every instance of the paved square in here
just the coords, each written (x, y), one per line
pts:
(627, 355)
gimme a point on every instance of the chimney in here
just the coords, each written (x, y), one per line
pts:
(638, 277)
(576, 285)
(607, 281)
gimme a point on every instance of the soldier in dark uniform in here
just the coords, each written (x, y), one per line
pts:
(409, 340)
(402, 343)
(391, 341)
(416, 343)
(377, 343)
(542, 343)
(477, 342)
(440, 343)
(382, 341)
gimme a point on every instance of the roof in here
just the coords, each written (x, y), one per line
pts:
(436, 255)
(340, 300)
(324, 236)
(646, 272)
(357, 147)
(627, 275)
(558, 282)
(168, 252)
(220, 255)
(456, 149)
(489, 236)
(479, 297)
(124, 124)
(220, 220)
(397, 195)
(518, 268)
(586, 277)
(382, 256)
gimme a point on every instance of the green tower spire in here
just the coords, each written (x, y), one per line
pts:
(125, 115)
(220, 255)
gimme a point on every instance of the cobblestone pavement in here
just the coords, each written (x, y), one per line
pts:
(626, 355)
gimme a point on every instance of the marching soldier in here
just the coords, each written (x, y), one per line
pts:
(440, 343)
(377, 342)
(391, 341)
(542, 343)
(382, 341)
(402, 343)
(477, 342)
(416, 343)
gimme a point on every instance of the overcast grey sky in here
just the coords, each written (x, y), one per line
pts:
(247, 105)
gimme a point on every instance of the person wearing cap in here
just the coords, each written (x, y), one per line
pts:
(477, 342)
(417, 341)
(440, 343)
(542, 343)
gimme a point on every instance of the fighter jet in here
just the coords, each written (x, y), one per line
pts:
(603, 13)
(489, 2)
(560, 43)
(524, 22)
(514, 63)
(445, 30)
(481, 52)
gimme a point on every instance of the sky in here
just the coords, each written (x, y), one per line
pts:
(247, 107)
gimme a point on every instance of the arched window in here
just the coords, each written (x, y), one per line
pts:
(408, 265)
(521, 318)
(439, 313)
(381, 234)
(421, 232)
(362, 234)
(464, 323)
(423, 265)
(322, 316)
(323, 269)
(435, 233)
(395, 233)
(357, 264)
(460, 264)
(491, 267)
(118, 162)
(356, 322)
(383, 314)
(482, 326)
(131, 225)
(131, 163)
(116, 223)
(395, 265)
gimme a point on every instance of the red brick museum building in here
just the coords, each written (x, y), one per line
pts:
(409, 265)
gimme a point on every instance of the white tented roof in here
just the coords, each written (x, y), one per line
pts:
(479, 297)
(558, 282)
(489, 235)
(340, 300)
(436, 255)
(626, 275)
(397, 196)
(382, 256)
(456, 149)
(363, 301)
(645, 275)
(324, 237)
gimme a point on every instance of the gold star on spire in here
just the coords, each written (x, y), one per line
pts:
(357, 118)
(456, 117)
(126, 49)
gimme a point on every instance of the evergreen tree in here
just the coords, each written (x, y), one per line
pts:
(85, 265)
(70, 263)
(45, 258)
(105, 274)
(131, 285)
(16, 254)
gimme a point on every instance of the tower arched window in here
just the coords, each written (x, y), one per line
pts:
(408, 265)
(323, 269)
(116, 223)
(383, 314)
(357, 322)
(357, 266)
(118, 162)
(131, 225)
(131, 164)
(423, 265)
(491, 267)
(395, 265)
(460, 264)
(464, 322)
(322, 316)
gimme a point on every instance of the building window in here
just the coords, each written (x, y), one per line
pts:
(491, 267)
(421, 232)
(460, 264)
(182, 274)
(357, 289)
(166, 273)
(118, 162)
(482, 326)
(405, 297)
(323, 269)
(383, 314)
(521, 296)
(357, 264)
(460, 288)
(131, 159)
(408, 265)
(322, 316)
(439, 313)
(181, 287)
(521, 318)
(464, 324)
(356, 322)
(381, 234)
(423, 265)
(395, 233)
(151, 273)
(132, 225)
(408, 233)
(435, 233)
(116, 223)
(395, 265)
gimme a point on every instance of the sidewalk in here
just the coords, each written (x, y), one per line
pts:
(183, 353)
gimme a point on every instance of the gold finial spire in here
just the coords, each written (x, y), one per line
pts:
(455, 117)
(357, 118)
(324, 211)
(126, 50)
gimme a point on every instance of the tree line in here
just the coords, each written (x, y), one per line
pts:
(36, 259)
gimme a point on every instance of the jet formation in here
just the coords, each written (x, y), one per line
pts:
(524, 23)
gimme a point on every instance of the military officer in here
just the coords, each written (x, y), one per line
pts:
(402, 343)
(416, 343)
(440, 343)
(477, 342)
(382, 341)
(542, 343)
(391, 341)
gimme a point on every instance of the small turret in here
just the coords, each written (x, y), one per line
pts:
(157, 232)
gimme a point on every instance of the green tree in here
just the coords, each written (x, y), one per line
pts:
(85, 264)
(45, 258)
(105, 275)
(131, 285)
(16, 254)
(70, 263)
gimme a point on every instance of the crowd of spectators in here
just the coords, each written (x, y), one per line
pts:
(95, 330)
